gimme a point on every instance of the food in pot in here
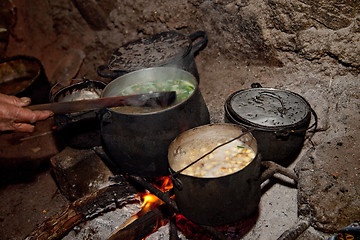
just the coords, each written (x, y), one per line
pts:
(82, 94)
(227, 159)
(15, 86)
(183, 88)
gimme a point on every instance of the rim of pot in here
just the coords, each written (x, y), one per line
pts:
(257, 155)
(248, 124)
(160, 110)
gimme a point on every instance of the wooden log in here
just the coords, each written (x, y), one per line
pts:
(272, 168)
(144, 225)
(173, 231)
(165, 196)
(83, 209)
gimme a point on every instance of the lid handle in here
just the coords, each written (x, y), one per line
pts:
(256, 85)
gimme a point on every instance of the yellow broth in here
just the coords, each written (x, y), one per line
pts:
(225, 160)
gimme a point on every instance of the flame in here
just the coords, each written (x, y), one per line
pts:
(163, 183)
(150, 201)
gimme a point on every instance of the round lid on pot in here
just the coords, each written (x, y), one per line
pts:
(155, 50)
(267, 107)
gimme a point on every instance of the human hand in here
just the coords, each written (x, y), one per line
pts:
(14, 117)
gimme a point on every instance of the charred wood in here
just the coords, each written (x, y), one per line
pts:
(173, 231)
(144, 225)
(83, 209)
(166, 198)
(272, 168)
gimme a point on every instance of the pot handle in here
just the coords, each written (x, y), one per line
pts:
(314, 125)
(104, 116)
(200, 44)
(256, 85)
(103, 71)
(176, 182)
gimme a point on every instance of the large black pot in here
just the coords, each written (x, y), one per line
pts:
(163, 49)
(215, 200)
(277, 118)
(137, 143)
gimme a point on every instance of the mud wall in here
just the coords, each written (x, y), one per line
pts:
(270, 32)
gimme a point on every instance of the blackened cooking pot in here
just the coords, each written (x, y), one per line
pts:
(163, 49)
(277, 118)
(137, 142)
(80, 130)
(215, 200)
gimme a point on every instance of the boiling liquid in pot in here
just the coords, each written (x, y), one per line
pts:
(225, 160)
(183, 90)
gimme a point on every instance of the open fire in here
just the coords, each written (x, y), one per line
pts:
(188, 228)
(158, 208)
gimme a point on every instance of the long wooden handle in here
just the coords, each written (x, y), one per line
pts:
(146, 99)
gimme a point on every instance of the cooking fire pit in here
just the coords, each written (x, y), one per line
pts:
(119, 195)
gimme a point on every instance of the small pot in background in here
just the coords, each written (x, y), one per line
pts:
(277, 118)
(170, 49)
(24, 76)
(80, 130)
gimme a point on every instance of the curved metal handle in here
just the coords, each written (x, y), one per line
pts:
(273, 95)
(256, 85)
(200, 44)
(103, 71)
(314, 125)
(105, 116)
(176, 182)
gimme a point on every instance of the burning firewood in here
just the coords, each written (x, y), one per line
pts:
(143, 225)
(83, 209)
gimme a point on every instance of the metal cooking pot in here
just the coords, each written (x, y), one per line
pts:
(138, 143)
(80, 130)
(277, 118)
(163, 49)
(216, 200)
(24, 76)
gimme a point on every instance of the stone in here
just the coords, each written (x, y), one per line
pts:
(79, 172)
(328, 186)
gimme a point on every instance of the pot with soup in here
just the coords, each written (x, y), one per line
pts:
(216, 174)
(137, 138)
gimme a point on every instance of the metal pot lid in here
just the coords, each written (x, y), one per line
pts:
(268, 107)
(155, 50)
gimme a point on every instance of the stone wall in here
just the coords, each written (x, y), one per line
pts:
(271, 32)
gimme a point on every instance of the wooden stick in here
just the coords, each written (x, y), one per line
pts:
(143, 226)
(272, 168)
(83, 209)
(166, 198)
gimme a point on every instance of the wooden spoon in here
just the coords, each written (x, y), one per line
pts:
(156, 99)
